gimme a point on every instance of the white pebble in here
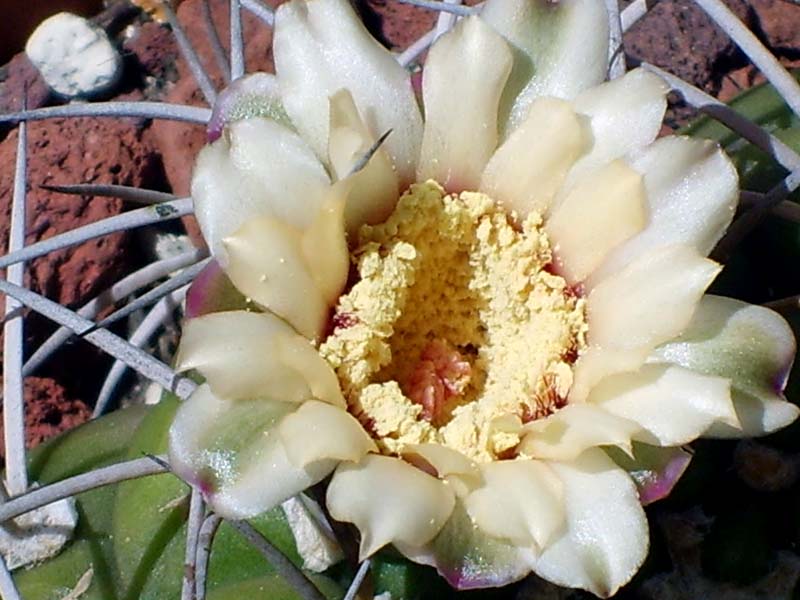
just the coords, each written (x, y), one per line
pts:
(74, 56)
(38, 534)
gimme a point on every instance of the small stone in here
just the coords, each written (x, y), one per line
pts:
(313, 536)
(75, 57)
(39, 534)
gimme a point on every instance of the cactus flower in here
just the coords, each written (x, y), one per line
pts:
(493, 334)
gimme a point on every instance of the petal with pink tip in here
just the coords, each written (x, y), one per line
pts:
(752, 346)
(212, 291)
(602, 211)
(631, 312)
(520, 500)
(673, 405)
(389, 501)
(320, 47)
(692, 192)
(528, 169)
(570, 431)
(625, 115)
(232, 451)
(561, 48)
(606, 538)
(318, 431)
(654, 470)
(468, 558)
(462, 81)
(257, 168)
(254, 355)
(373, 193)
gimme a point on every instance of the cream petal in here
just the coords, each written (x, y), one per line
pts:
(461, 110)
(389, 500)
(296, 274)
(753, 347)
(231, 451)
(561, 48)
(318, 431)
(298, 354)
(314, 60)
(625, 115)
(673, 405)
(692, 192)
(527, 170)
(572, 430)
(451, 466)
(606, 538)
(445, 460)
(373, 192)
(598, 214)
(631, 312)
(255, 355)
(521, 500)
(257, 168)
(324, 246)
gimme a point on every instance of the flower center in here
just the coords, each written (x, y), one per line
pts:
(455, 332)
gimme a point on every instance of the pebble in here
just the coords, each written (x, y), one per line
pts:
(74, 56)
(39, 534)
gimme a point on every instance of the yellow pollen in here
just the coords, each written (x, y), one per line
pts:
(455, 333)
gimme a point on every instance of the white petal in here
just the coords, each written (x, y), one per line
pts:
(314, 59)
(389, 500)
(752, 346)
(692, 192)
(373, 192)
(561, 48)
(231, 450)
(318, 431)
(461, 474)
(673, 405)
(525, 173)
(257, 168)
(602, 211)
(606, 539)
(462, 81)
(253, 355)
(631, 312)
(521, 500)
(625, 115)
(324, 246)
(569, 432)
(296, 274)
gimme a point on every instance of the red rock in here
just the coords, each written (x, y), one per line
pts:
(154, 48)
(779, 24)
(397, 25)
(20, 75)
(678, 36)
(48, 411)
(75, 151)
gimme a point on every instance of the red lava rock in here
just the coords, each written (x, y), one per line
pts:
(779, 23)
(155, 50)
(75, 151)
(18, 76)
(395, 24)
(678, 36)
(48, 411)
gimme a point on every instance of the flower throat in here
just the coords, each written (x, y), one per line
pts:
(455, 331)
